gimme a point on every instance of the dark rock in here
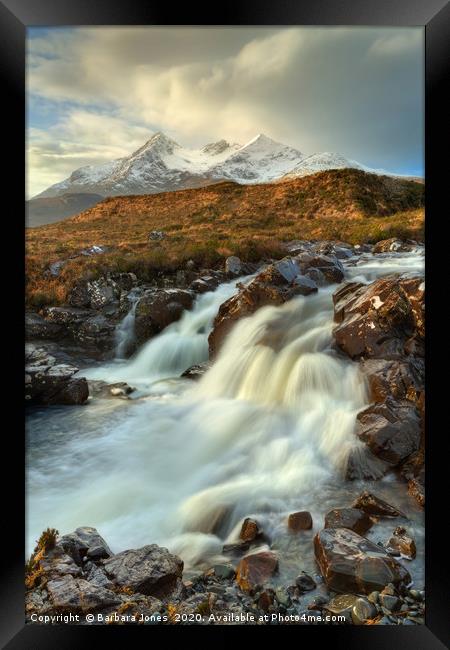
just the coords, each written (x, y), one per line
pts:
(157, 309)
(265, 599)
(96, 331)
(351, 563)
(256, 569)
(363, 611)
(156, 235)
(71, 594)
(401, 380)
(389, 602)
(233, 265)
(47, 382)
(85, 542)
(71, 317)
(150, 570)
(300, 521)
(390, 429)
(373, 505)
(224, 571)
(196, 371)
(305, 285)
(416, 488)
(37, 327)
(236, 548)
(363, 465)
(249, 530)
(351, 518)
(204, 284)
(377, 320)
(304, 582)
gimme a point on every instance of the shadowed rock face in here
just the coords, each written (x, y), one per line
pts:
(350, 563)
(351, 518)
(157, 309)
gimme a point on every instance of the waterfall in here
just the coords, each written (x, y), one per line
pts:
(124, 334)
(265, 432)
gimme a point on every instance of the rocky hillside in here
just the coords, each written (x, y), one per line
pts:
(208, 224)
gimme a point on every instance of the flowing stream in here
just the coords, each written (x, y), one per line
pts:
(265, 432)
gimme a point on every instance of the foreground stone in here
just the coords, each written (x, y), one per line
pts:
(351, 563)
(158, 309)
(47, 382)
(402, 543)
(394, 244)
(85, 542)
(351, 518)
(300, 521)
(256, 569)
(150, 570)
(250, 530)
(373, 505)
(79, 595)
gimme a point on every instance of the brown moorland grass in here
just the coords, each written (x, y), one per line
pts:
(208, 224)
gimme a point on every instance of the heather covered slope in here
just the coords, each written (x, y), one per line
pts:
(207, 224)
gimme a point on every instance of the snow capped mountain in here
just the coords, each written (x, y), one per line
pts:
(161, 164)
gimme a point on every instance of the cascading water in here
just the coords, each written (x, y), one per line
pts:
(124, 335)
(266, 431)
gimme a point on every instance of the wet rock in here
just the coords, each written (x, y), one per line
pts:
(87, 542)
(401, 542)
(351, 518)
(250, 530)
(363, 465)
(71, 594)
(47, 382)
(237, 548)
(150, 570)
(196, 371)
(256, 569)
(390, 429)
(305, 285)
(304, 582)
(342, 605)
(363, 610)
(233, 265)
(373, 505)
(300, 521)
(376, 321)
(157, 309)
(416, 488)
(351, 563)
(265, 599)
(316, 276)
(37, 327)
(401, 380)
(101, 389)
(329, 265)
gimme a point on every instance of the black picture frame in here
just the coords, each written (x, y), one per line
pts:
(15, 17)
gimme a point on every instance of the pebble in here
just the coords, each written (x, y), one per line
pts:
(373, 597)
(362, 611)
(389, 602)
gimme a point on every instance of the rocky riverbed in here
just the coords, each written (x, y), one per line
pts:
(299, 384)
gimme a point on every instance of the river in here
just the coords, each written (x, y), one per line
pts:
(265, 432)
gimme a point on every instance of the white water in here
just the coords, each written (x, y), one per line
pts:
(265, 432)
(124, 335)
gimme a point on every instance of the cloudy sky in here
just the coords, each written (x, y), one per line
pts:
(99, 93)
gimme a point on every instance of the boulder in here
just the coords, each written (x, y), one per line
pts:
(103, 291)
(381, 319)
(416, 488)
(250, 530)
(301, 520)
(150, 570)
(233, 265)
(156, 235)
(157, 309)
(256, 569)
(373, 505)
(351, 518)
(37, 327)
(329, 265)
(350, 563)
(390, 429)
(76, 595)
(47, 382)
(85, 542)
(363, 465)
(69, 317)
(204, 284)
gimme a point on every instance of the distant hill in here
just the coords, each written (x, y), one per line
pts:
(42, 211)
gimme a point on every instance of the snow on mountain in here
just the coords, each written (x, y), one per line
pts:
(161, 164)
